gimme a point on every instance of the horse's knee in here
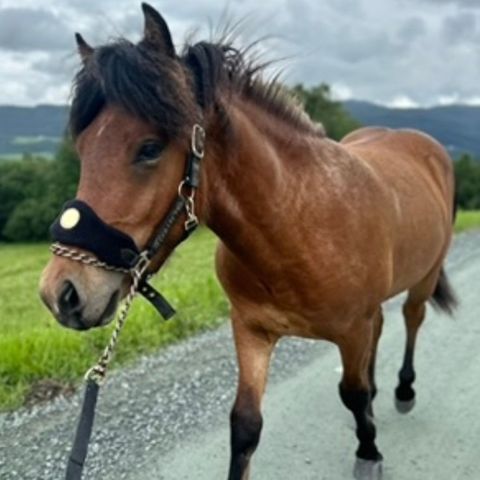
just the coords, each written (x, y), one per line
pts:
(246, 426)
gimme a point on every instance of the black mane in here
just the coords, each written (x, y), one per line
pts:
(154, 87)
(143, 82)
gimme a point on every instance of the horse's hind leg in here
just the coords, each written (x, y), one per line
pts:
(377, 332)
(414, 312)
(254, 349)
(355, 392)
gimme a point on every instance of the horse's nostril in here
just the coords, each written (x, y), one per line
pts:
(69, 301)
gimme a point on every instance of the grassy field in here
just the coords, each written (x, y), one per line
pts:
(34, 348)
(467, 221)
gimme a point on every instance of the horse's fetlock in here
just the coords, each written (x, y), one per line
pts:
(246, 428)
(406, 376)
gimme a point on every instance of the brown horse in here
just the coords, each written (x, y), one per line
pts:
(314, 234)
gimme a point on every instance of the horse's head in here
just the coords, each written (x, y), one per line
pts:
(132, 116)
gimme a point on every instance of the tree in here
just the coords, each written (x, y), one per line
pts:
(318, 103)
(30, 220)
(66, 172)
(20, 180)
(32, 192)
(467, 173)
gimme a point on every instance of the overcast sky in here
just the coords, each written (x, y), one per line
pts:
(395, 52)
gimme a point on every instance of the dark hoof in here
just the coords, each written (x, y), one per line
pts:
(404, 407)
(368, 469)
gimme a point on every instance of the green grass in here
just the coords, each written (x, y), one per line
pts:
(35, 347)
(467, 220)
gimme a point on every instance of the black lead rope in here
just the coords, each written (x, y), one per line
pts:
(83, 434)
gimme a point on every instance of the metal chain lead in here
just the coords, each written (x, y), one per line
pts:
(98, 372)
(78, 256)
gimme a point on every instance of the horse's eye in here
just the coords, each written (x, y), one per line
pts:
(149, 152)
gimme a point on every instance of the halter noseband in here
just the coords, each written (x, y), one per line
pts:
(78, 226)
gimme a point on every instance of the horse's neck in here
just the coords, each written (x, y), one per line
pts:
(250, 178)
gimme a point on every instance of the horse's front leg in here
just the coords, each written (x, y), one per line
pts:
(254, 348)
(356, 393)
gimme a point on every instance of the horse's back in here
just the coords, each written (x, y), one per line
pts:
(404, 152)
(410, 144)
(365, 135)
(419, 174)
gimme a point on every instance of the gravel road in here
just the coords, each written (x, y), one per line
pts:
(166, 417)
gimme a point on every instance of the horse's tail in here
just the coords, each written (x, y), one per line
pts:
(444, 297)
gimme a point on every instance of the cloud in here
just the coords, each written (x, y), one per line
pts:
(26, 29)
(412, 29)
(458, 3)
(460, 28)
(402, 101)
(36, 87)
(341, 92)
(387, 51)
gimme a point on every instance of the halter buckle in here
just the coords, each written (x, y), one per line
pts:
(198, 141)
(142, 264)
(192, 219)
(191, 223)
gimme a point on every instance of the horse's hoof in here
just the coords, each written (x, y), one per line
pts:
(367, 469)
(404, 407)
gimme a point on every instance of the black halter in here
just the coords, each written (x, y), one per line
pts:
(117, 250)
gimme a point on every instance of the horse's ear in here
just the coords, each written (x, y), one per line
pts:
(84, 49)
(157, 32)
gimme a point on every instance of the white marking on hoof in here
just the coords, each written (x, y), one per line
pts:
(368, 469)
(404, 407)
(70, 218)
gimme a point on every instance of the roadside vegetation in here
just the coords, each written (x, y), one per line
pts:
(467, 220)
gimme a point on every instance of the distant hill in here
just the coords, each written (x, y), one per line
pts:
(31, 129)
(40, 129)
(457, 126)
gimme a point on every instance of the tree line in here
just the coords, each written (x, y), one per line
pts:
(33, 189)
